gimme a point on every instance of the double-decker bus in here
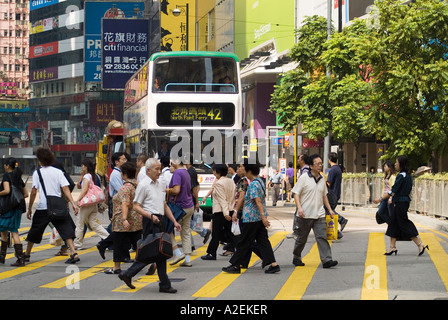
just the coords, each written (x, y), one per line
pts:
(191, 91)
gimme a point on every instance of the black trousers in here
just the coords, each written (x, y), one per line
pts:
(400, 226)
(123, 241)
(221, 231)
(65, 227)
(250, 232)
(137, 266)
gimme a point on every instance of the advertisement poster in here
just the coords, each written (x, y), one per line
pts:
(94, 12)
(124, 50)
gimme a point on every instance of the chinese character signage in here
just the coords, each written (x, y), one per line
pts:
(43, 50)
(184, 114)
(8, 89)
(103, 112)
(94, 12)
(44, 74)
(124, 50)
(178, 31)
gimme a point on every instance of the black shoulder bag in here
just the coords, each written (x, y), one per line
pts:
(56, 206)
(12, 200)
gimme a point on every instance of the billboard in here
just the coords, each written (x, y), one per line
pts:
(94, 12)
(102, 112)
(124, 50)
(43, 50)
(319, 7)
(178, 31)
(45, 74)
(260, 21)
(36, 4)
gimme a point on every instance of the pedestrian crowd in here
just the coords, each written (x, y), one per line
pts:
(143, 197)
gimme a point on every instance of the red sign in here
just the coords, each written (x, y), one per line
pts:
(44, 50)
(309, 143)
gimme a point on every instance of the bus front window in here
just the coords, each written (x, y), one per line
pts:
(189, 74)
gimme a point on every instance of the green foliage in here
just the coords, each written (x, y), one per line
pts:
(389, 79)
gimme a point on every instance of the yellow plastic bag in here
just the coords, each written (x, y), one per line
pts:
(332, 227)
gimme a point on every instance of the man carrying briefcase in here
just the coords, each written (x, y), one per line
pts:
(150, 202)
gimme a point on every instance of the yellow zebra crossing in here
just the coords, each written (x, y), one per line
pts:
(374, 282)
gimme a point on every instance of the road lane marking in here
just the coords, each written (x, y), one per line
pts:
(218, 284)
(38, 264)
(143, 281)
(299, 280)
(82, 275)
(38, 248)
(438, 256)
(374, 285)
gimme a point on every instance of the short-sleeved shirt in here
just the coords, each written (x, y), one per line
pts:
(151, 197)
(256, 189)
(125, 194)
(181, 178)
(335, 179)
(242, 185)
(311, 192)
(54, 180)
(8, 177)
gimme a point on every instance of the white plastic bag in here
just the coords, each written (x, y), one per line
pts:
(55, 238)
(236, 228)
(197, 221)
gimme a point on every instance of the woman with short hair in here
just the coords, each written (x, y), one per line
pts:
(53, 180)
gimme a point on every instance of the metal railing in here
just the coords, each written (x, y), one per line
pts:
(429, 196)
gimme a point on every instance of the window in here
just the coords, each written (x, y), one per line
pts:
(191, 74)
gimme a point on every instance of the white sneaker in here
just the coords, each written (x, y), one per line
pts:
(177, 259)
(186, 264)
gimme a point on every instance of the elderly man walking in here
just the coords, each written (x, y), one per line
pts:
(150, 202)
(310, 195)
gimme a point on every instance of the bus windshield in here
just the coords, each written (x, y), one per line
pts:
(195, 74)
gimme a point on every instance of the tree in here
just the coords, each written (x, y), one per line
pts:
(389, 79)
(407, 52)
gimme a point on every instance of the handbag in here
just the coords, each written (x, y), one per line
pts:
(94, 196)
(14, 199)
(332, 227)
(196, 223)
(56, 206)
(178, 213)
(236, 228)
(55, 238)
(154, 247)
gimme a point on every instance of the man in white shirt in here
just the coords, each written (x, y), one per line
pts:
(141, 159)
(310, 195)
(149, 201)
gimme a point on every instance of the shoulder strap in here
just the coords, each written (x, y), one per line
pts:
(131, 183)
(262, 187)
(42, 182)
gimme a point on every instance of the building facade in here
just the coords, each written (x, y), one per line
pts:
(14, 33)
(70, 109)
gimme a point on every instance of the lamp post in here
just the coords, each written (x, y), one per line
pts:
(176, 13)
